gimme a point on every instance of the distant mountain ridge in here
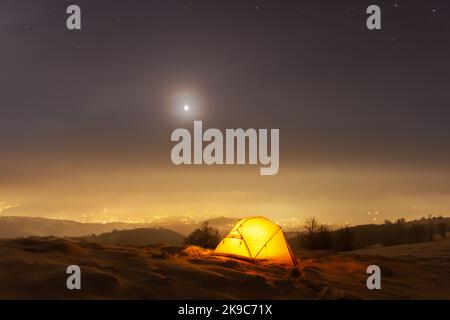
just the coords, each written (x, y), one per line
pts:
(23, 226)
(15, 227)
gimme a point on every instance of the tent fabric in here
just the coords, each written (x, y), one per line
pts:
(257, 238)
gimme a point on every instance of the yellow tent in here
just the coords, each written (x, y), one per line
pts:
(257, 238)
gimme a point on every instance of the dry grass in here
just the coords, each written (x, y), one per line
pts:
(35, 268)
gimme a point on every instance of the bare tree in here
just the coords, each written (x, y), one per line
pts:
(343, 239)
(205, 236)
(431, 231)
(316, 235)
(442, 229)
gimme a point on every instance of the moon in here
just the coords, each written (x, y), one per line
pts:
(186, 107)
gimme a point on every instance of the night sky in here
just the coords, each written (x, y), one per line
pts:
(86, 116)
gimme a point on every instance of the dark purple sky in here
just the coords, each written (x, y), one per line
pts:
(92, 103)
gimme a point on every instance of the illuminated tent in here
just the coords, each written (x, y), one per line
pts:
(254, 239)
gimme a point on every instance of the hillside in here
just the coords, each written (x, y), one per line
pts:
(361, 236)
(394, 233)
(138, 237)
